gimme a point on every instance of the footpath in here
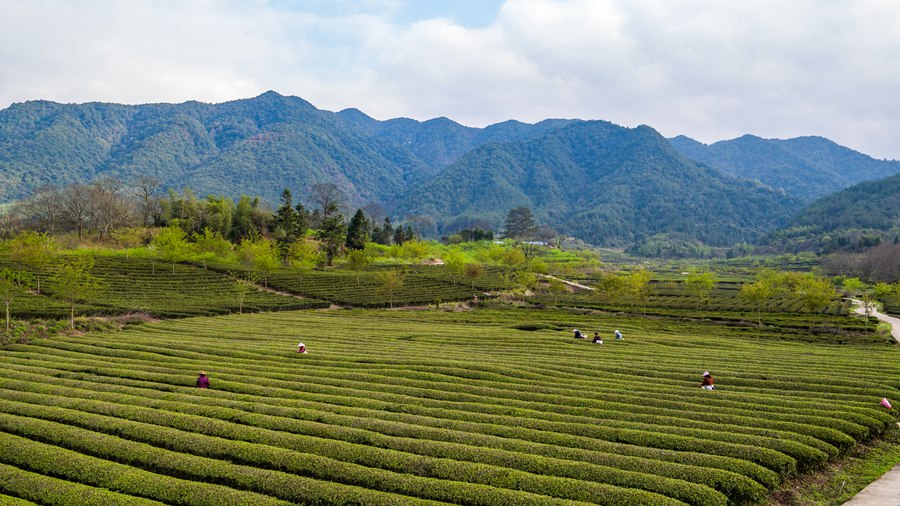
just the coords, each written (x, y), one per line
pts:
(884, 491)
(895, 322)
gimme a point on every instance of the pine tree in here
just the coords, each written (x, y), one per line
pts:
(285, 217)
(332, 233)
(519, 223)
(301, 220)
(388, 232)
(358, 231)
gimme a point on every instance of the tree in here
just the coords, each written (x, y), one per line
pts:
(171, 245)
(35, 251)
(45, 207)
(868, 305)
(11, 287)
(519, 224)
(301, 221)
(390, 282)
(557, 288)
(357, 231)
(520, 227)
(332, 233)
(147, 188)
(357, 260)
(853, 286)
(474, 270)
(327, 195)
(211, 245)
(285, 218)
(700, 284)
(384, 234)
(527, 280)
(637, 286)
(78, 206)
(73, 281)
(112, 209)
(759, 292)
(454, 262)
(610, 287)
(302, 257)
(399, 236)
(814, 294)
(244, 286)
(259, 255)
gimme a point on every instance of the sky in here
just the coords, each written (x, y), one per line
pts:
(709, 69)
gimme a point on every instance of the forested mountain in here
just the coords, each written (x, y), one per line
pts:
(592, 179)
(255, 146)
(852, 219)
(807, 167)
(603, 183)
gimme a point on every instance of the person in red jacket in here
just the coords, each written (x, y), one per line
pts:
(203, 380)
(708, 381)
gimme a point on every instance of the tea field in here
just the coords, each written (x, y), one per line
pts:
(430, 407)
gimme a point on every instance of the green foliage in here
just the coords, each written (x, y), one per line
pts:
(806, 167)
(391, 281)
(73, 281)
(34, 251)
(243, 286)
(357, 260)
(171, 245)
(260, 256)
(700, 284)
(12, 285)
(601, 183)
(853, 219)
(331, 233)
(813, 293)
(358, 231)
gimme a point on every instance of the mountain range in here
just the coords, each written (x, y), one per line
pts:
(806, 167)
(597, 181)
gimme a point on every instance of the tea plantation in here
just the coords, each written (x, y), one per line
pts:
(426, 407)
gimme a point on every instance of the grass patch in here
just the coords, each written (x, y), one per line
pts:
(840, 480)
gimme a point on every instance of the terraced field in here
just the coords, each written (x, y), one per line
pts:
(427, 407)
(422, 284)
(149, 286)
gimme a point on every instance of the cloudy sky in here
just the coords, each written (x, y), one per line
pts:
(709, 69)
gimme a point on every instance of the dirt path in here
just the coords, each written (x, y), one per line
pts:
(895, 322)
(570, 283)
(884, 491)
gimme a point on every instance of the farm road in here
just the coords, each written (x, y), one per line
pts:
(884, 491)
(895, 326)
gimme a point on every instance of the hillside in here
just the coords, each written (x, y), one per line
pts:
(806, 167)
(256, 146)
(854, 218)
(602, 183)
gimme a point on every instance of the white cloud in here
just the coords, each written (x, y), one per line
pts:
(710, 69)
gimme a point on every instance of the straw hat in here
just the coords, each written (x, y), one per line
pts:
(202, 373)
(706, 373)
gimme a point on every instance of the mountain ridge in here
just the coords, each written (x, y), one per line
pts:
(809, 167)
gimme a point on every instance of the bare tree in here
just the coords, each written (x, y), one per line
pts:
(375, 212)
(78, 206)
(45, 208)
(327, 194)
(111, 209)
(147, 190)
